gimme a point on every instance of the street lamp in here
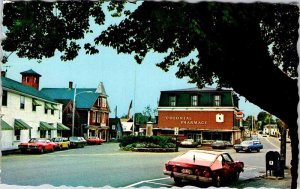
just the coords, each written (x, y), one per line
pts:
(74, 105)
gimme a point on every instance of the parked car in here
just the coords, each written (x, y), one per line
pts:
(62, 143)
(188, 143)
(40, 145)
(77, 142)
(204, 166)
(219, 144)
(248, 146)
(94, 140)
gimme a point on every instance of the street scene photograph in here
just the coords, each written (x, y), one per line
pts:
(155, 94)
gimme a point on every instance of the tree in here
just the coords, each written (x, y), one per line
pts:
(265, 118)
(249, 47)
(237, 45)
(150, 113)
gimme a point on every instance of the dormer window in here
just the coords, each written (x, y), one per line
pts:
(217, 100)
(172, 100)
(194, 100)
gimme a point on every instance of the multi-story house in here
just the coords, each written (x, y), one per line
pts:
(26, 112)
(205, 115)
(91, 109)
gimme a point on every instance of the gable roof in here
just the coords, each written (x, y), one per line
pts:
(85, 100)
(114, 121)
(13, 85)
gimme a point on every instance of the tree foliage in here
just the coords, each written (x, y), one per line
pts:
(37, 30)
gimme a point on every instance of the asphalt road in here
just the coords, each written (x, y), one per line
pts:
(106, 165)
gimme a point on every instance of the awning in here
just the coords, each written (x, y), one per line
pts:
(61, 127)
(92, 127)
(5, 126)
(36, 102)
(45, 126)
(54, 107)
(20, 125)
(48, 106)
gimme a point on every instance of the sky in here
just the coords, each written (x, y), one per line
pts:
(123, 79)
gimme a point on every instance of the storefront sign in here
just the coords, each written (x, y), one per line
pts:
(186, 120)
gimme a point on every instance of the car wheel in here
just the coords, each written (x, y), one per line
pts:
(177, 181)
(237, 151)
(23, 151)
(42, 150)
(258, 150)
(218, 181)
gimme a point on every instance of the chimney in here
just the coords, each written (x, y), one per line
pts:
(3, 73)
(70, 84)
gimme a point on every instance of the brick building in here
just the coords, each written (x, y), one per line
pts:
(205, 115)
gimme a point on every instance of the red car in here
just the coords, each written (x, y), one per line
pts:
(37, 145)
(94, 140)
(204, 166)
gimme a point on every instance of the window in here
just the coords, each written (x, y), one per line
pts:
(35, 80)
(217, 100)
(18, 134)
(103, 118)
(22, 102)
(98, 102)
(172, 100)
(4, 98)
(33, 107)
(43, 134)
(194, 100)
(103, 102)
(27, 79)
(98, 117)
(94, 114)
(52, 112)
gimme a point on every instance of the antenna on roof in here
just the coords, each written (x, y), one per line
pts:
(6, 67)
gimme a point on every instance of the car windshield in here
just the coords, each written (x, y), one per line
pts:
(200, 156)
(37, 140)
(73, 138)
(246, 142)
(56, 140)
(219, 142)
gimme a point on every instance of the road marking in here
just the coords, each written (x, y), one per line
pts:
(134, 184)
(161, 184)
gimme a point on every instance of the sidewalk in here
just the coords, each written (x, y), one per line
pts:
(271, 182)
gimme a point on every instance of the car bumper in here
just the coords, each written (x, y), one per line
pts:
(188, 177)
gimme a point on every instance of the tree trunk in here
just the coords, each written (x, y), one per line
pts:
(253, 75)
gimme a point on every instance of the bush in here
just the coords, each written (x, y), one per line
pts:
(147, 142)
